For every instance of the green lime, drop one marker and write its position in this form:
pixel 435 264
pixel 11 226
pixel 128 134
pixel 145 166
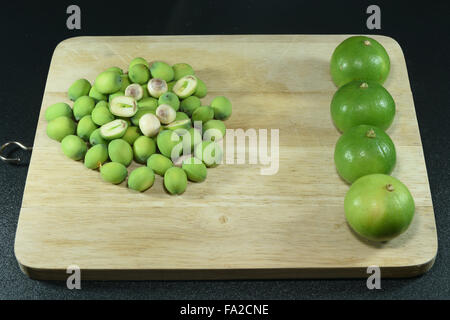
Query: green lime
pixel 359 58
pixel 360 102
pixel 364 150
pixel 379 207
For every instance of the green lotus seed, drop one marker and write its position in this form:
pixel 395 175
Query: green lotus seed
pixel 167 142
pixel 139 73
pixel 148 102
pixel 159 164
pixel 114 129
pixel 203 114
pixel 58 110
pixel 97 96
pixel 141 179
pixel 201 91
pixel 138 60
pixel 222 108
pixel 108 82
pixel 165 113
pixel 175 180
pixel 59 128
pixel 101 114
pixel 123 106
pixel 189 105
pixel 115 95
pixel 149 125
pixel 191 138
pixel 131 135
pixel 145 93
pixel 170 99
pixel 143 148
pixel 96 138
pixel 156 87
pixel 78 89
pixel 83 106
pixel 113 172
pixel 170 85
pixel 140 112
pixel 120 151
pixel 182 69
pixel 185 87
pixel 74 147
pixel 162 70
pixel 209 152
pixel 214 130
pixel 181 116
pixel 96 156
pixel 195 169
pixel 125 82
pixel 116 70
pixel 85 128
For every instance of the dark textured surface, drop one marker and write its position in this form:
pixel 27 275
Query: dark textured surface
pixel 31 31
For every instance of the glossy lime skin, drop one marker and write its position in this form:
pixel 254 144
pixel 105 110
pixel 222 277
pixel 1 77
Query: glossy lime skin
pixel 97 96
pixel 85 128
pixel 159 163
pixel 101 114
pixel 201 91
pixel 57 110
pixel 96 156
pixel 222 108
pixel 379 207
pixel 190 104
pixel 182 69
pixel 143 148
pixel 83 106
pixel 96 138
pixel 364 150
pixel 203 114
pixel 131 135
pixel 162 70
pixel 171 99
pixel 59 128
pixel 139 73
pixel 141 179
pixel 120 151
pixel 175 180
pixel 73 147
pixel 360 102
pixel 195 169
pixel 108 82
pixel 113 172
pixel 79 88
pixel 359 58
pixel 167 140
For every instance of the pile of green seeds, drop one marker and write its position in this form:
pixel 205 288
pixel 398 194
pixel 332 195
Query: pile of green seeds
pixel 152 114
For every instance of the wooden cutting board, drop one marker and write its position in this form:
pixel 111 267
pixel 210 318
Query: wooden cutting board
pixel 238 223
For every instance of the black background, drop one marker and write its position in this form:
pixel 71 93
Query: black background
pixel 31 31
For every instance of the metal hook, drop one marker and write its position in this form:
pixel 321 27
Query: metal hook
pixel 15 160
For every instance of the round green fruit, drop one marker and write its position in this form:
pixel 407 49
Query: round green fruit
pixel 96 156
pixel 195 169
pixel 359 58
pixel 120 151
pixel 85 128
pixel 143 148
pixel 209 152
pixel 379 207
pixel 58 110
pixel 141 179
pixel 203 114
pixel 222 108
pixel 108 82
pixel 190 104
pixel 79 88
pixel 170 99
pixel 139 73
pixel 182 69
pixel 201 91
pixel 73 147
pixel 131 135
pixel 214 130
pixel 364 150
pixel 175 180
pixel 83 106
pixel 159 164
pixel 101 114
pixel 162 70
pixel 360 102
pixel 167 141
pixel 59 128
pixel 96 138
pixel 113 172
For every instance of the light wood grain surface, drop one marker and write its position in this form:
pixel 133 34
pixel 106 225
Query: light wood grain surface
pixel 238 223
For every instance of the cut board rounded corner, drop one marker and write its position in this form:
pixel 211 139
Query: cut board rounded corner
pixel 248 230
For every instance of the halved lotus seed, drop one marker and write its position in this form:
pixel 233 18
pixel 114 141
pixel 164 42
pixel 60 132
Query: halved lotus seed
pixel 175 180
pixel 157 87
pixel 166 114
pixel 195 169
pixel 171 99
pixel 143 148
pixel 83 106
pixel 108 82
pixel 114 129
pixel 209 152
pixel 159 164
pixel 78 89
pixel 96 156
pixel 222 108
pixel 134 90
pixel 57 110
pixel 120 151
pixel 141 179
pixel 123 106
pixel 162 71
pixel 73 147
pixel 59 128
pixel 85 127
pixel 185 87
pixel 101 114
pixel 139 73
pixel 113 172
pixel 149 125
